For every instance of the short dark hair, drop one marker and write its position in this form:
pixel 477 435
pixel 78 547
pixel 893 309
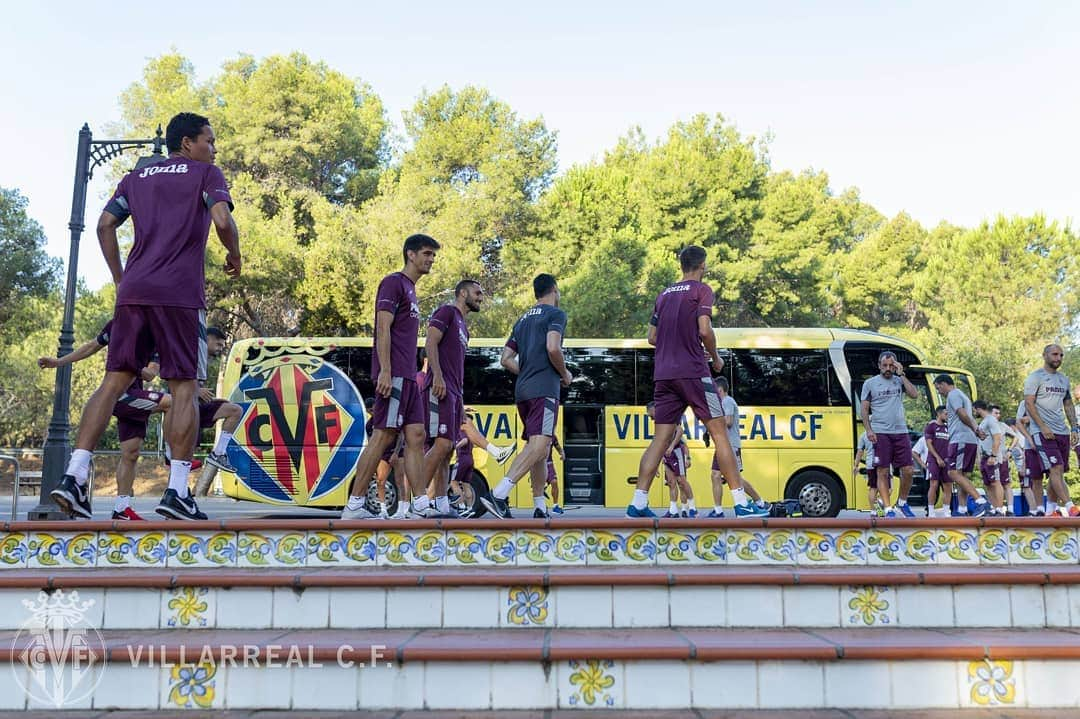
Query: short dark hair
pixel 215 332
pixel 939 408
pixel 722 383
pixel 691 258
pixel 460 286
pixel 886 353
pixel 980 404
pixel 944 379
pixel 185 124
pixel 995 406
pixel 415 243
pixel 543 284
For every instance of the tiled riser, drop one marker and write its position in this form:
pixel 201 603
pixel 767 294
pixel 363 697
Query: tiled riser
pixel 527 548
pixel 579 684
pixel 620 607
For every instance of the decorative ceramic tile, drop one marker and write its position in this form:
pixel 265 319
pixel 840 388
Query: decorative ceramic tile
pixel 192 686
pixel 901 546
pixel 14 550
pixel 204 549
pixel 590 683
pixel 867 606
pixel 993 546
pixel 776 546
pixel 637 546
pixel 539 547
pixel 331 549
pixel 526 606
pixel 188 607
pixel 990 683
pixel 53 550
pixel 957 546
pixel 691 546
pixel 826 548
pixel 398 548
pixel 1042 546
pixel 132 549
pixel 481 547
pixel 1063 545
pixel 271 549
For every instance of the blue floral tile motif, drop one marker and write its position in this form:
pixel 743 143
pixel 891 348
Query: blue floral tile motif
pixel 474 548
pixel 49 551
pixel 271 549
pixel 330 549
pixel 957 546
pixel 405 548
pixel 527 607
pixel 697 546
pixel 1042 546
pixel 901 546
pixel 775 546
pixel 828 548
pixel 993 546
pixel 634 547
pixel 14 550
pixel 192 686
pixel 132 549
pixel 205 549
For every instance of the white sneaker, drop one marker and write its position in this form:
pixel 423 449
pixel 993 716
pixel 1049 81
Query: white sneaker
pixel 425 513
pixel 402 514
pixel 360 513
pixel 502 454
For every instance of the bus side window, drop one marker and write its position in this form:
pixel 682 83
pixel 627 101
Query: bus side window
pixel 780 378
pixel 486 382
pixel 601 375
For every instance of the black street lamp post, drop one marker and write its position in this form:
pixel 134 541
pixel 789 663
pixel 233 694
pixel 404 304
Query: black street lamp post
pixel 91 154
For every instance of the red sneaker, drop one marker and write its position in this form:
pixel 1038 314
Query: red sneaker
pixel 128 515
pixel 196 464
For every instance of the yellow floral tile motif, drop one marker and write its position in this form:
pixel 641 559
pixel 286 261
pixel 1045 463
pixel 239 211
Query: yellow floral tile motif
pixel 696 546
pixel 993 546
pixel 1062 546
pixel 637 546
pixel 535 547
pixel 14 550
pixel 192 685
pixel 869 606
pixel 920 546
pixel 767 547
pixel 188 607
pixel 480 547
pixel 255 549
pixel 328 548
pixel 62 550
pixel 851 547
pixel 404 548
pixel 591 681
pixel 884 547
pixel 571 546
pixel 120 549
pixel 527 606
pixel 1042 545
pixel 992 682
pixel 216 549
pixel 957 545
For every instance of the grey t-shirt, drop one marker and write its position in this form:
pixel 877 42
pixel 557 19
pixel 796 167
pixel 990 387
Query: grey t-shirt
pixel 536 377
pixel 886 404
pixel 867 448
pixel 959 433
pixel 731 409
pixel 1050 390
pixel 1021 412
pixel 992 426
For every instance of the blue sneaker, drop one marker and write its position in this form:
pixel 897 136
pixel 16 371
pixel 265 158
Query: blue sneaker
pixel 667 515
pixel 713 514
pixel 691 514
pixel 971 505
pixel 750 510
pixel 906 510
pixel 633 512
pixel 891 514
pixel 980 509
pixel 556 509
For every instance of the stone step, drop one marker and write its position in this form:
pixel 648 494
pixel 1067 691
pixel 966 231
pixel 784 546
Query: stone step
pixel 598 542
pixel 613 597
pixel 565 668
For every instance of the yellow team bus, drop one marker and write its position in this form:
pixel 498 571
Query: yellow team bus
pixel 797 389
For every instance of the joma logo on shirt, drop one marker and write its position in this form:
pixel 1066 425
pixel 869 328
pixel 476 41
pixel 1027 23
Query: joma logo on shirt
pixel 162 169
pixel 677 288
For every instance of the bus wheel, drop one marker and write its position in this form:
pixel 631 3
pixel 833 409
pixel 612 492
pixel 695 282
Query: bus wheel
pixel 372 500
pixel 479 486
pixel 819 494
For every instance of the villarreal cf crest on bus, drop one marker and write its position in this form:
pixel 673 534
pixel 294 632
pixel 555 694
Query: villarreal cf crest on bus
pixel 301 433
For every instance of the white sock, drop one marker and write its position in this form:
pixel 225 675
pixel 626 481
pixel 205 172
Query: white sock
pixel 355 503
pixel 421 503
pixel 690 504
pixel 718 509
pixel 901 503
pixel 503 488
pixel 442 504
pixel 980 500
pixel 79 465
pixel 178 477
pixel 492 450
pixel 123 501
pixel 682 508
pixel 641 499
pixel 540 503
pixel 674 507
pixel 222 443
pixel 1051 506
pixel 402 507
pixel 738 496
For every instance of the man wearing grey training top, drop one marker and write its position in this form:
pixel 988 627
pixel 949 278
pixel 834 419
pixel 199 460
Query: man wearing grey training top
pixel 964 435
pixel 1049 401
pixel 886 428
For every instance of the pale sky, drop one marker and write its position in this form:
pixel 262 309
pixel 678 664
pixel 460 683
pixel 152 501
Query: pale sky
pixel 949 111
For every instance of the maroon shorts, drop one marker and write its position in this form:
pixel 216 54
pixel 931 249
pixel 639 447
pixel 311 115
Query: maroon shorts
pixel 552 478
pixel 1053 452
pixel 403 407
pixel 673 396
pixel 738 462
pixel 207 410
pixel 678 462
pixel 445 416
pixel 893 450
pixel 1033 468
pixel 139 330
pixel 132 412
pixel 994 473
pixel 936 472
pixel 961 457
pixel 464 468
pixel 539 416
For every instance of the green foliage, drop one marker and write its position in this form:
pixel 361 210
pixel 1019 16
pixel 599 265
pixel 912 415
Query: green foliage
pixel 26 269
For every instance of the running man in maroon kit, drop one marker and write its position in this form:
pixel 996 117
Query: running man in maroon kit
pixel 447 341
pixel 936 434
pixel 160 298
pixel 399 406
pixel 681 329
